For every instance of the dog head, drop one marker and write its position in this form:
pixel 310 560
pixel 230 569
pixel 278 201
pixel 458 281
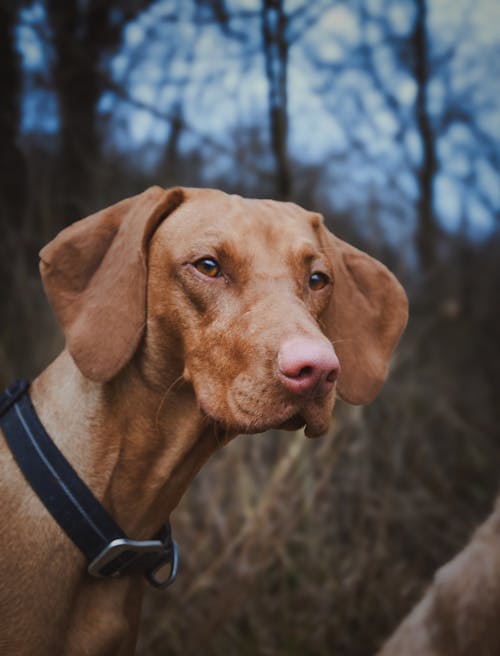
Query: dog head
pixel 254 303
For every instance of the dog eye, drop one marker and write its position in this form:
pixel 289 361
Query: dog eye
pixel 318 280
pixel 208 267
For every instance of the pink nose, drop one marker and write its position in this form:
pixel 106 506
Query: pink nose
pixel 308 367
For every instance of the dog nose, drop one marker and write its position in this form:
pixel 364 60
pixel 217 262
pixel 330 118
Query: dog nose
pixel 308 367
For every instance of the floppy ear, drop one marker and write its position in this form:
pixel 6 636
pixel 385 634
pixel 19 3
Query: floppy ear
pixel 94 274
pixel 366 316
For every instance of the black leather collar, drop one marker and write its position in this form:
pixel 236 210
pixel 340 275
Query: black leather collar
pixel 109 551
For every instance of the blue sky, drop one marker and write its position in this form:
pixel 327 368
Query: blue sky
pixel 340 118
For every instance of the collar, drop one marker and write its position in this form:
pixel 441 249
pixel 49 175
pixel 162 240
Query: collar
pixel 110 553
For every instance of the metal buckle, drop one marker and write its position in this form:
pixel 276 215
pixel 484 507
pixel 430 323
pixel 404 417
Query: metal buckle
pixel 163 574
pixel 116 547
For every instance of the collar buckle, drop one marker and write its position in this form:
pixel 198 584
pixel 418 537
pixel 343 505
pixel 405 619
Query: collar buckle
pixel 123 556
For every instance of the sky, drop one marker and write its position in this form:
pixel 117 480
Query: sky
pixel 333 101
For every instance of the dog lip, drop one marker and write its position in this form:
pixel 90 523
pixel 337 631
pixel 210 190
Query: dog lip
pixel 289 417
pixel 291 422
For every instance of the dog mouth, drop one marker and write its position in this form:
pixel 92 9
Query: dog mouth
pixel 243 413
pixel 315 421
pixel 253 426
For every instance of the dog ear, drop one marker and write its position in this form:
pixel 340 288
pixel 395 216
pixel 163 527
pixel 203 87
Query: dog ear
pixel 366 316
pixel 95 274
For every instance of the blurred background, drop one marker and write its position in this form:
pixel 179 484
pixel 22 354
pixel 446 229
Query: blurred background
pixel 384 115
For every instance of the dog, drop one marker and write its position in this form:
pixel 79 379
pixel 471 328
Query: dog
pixel 458 615
pixel 190 316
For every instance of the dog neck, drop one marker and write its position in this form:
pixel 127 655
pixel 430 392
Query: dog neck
pixel 138 456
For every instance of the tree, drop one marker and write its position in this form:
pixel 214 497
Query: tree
pixel 83 35
pixel 426 231
pixel 275 47
pixel 13 181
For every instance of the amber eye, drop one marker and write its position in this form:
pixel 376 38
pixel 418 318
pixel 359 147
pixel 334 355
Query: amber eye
pixel 208 267
pixel 318 280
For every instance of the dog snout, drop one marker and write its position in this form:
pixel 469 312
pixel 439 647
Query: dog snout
pixel 308 367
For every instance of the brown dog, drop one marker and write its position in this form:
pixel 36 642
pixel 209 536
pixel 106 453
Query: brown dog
pixel 459 614
pixel 190 316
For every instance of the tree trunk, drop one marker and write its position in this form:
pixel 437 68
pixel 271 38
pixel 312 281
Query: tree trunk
pixel 274 25
pixel 74 72
pixel 13 180
pixel 427 231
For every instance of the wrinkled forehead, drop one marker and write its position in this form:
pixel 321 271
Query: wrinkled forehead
pixel 256 225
